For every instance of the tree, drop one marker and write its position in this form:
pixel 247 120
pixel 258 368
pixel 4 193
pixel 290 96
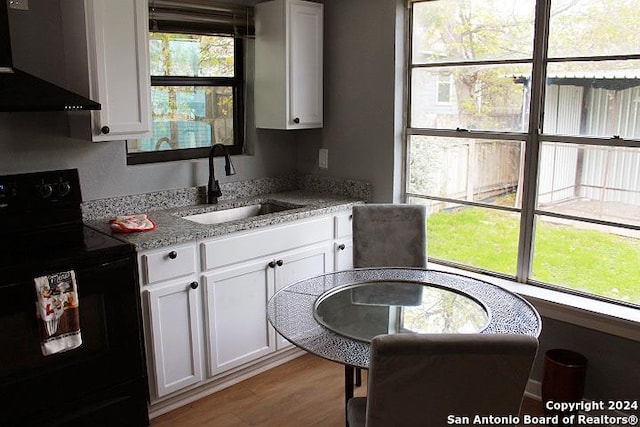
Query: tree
pixel 474 32
pixel 191 55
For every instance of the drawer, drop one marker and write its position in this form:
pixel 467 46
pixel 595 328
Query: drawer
pixel 343 225
pixel 168 263
pixel 262 242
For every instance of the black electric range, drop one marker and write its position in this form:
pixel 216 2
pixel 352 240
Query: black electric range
pixel 102 381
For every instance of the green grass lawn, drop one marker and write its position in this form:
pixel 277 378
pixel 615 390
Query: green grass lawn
pixel 587 260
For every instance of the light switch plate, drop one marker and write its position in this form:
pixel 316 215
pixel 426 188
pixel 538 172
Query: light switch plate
pixel 19 4
pixel 323 158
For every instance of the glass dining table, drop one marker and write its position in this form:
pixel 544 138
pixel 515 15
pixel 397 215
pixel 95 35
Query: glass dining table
pixel 335 315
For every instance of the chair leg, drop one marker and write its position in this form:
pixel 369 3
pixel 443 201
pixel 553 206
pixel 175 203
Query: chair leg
pixel 348 389
pixel 358 377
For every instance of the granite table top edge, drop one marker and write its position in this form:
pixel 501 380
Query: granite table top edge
pixel 172 229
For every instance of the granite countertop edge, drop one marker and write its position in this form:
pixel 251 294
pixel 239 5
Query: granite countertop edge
pixel 172 229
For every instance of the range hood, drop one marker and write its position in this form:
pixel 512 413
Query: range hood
pixel 20 91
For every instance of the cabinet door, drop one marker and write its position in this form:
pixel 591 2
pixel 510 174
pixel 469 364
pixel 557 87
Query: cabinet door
pixel 238 330
pixel 118 54
pixel 298 265
pixel 174 311
pixel 305 33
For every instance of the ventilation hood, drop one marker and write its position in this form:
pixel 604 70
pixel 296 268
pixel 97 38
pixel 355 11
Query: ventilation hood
pixel 20 91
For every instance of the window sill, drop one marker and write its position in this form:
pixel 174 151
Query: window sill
pixel 601 316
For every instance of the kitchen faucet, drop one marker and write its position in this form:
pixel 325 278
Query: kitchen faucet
pixel 213 188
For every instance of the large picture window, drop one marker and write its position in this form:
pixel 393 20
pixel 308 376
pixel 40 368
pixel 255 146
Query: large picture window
pixel 531 171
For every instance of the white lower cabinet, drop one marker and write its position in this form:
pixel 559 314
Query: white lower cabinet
pixel 237 327
pixel 238 290
pixel 208 299
pixel 300 265
pixel 174 311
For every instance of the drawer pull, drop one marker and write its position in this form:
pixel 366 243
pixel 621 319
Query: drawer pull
pixel 193 285
pixel 341 246
pixel 272 264
pixel 173 254
pixel 279 263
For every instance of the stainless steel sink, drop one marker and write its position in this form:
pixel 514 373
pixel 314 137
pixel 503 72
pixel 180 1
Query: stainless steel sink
pixel 234 214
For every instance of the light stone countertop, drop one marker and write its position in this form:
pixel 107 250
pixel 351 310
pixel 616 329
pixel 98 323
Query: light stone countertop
pixel 172 229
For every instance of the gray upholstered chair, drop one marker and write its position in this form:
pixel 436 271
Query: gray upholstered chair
pixel 421 379
pixel 389 235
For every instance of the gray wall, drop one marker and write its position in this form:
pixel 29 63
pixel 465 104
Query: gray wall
pixel 361 128
pixel 363 124
pixel 613 363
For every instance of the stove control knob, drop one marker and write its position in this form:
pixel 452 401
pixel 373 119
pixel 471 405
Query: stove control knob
pixel 64 188
pixel 45 190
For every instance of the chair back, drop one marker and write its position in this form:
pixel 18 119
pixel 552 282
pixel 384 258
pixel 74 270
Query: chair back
pixel 423 379
pixel 389 235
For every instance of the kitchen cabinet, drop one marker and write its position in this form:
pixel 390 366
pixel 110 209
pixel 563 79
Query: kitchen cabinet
pixel 205 302
pixel 173 317
pixel 107 55
pixel 288 65
pixel 238 330
pixel 299 265
pixel 175 338
pixel 238 291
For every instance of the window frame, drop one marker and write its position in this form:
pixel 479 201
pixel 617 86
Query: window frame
pixel 237 83
pixel 533 140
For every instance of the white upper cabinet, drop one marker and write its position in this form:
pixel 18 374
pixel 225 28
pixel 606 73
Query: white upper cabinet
pixel 288 75
pixel 107 53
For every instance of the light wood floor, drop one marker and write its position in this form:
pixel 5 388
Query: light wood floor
pixel 306 392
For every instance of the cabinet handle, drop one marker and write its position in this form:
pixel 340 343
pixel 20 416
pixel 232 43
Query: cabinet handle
pixel 279 263
pixel 173 254
pixel 341 246
pixel 193 285
pixel 296 120
pixel 272 264
pixel 105 130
